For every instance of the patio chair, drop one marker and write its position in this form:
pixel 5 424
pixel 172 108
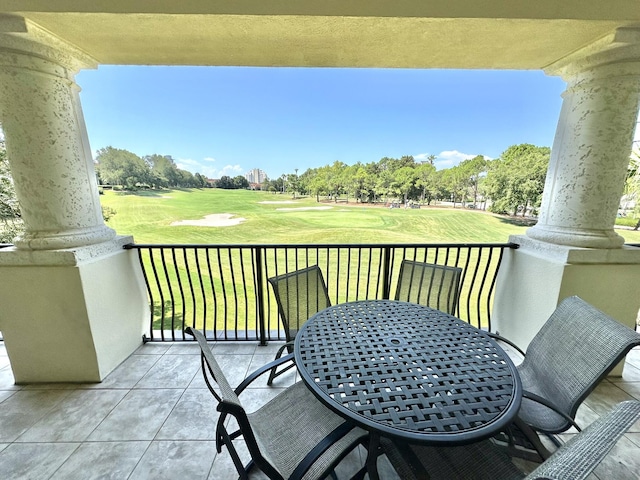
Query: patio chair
pixel 299 295
pixel 293 436
pixel 483 460
pixel 574 350
pixel 435 286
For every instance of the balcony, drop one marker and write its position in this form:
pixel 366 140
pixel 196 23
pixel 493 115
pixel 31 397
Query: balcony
pixel 154 418
pixel 91 299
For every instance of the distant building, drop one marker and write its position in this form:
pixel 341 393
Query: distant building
pixel 255 176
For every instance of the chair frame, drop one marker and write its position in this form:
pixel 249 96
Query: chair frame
pixel 276 283
pixel 573 461
pixel 437 272
pixel 572 304
pixel 229 404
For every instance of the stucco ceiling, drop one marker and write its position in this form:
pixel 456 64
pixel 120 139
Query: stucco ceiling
pixel 403 33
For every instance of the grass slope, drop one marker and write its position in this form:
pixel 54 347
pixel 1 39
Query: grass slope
pixel 148 216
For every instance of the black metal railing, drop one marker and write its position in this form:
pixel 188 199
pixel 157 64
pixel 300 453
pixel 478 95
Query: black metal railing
pixel 222 289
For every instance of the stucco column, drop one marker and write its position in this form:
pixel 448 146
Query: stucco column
pixel 574 250
pixel 592 145
pixel 46 139
pixel 73 301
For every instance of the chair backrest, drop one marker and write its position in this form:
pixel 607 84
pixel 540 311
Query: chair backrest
pixel 575 349
pixel 227 394
pixel 299 294
pixel 229 403
pixel 435 286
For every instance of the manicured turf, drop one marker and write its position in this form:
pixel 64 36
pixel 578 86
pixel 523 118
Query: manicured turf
pixel 148 216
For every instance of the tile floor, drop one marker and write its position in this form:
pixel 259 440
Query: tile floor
pixel 153 418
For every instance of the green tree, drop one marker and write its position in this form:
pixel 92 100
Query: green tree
pixel 225 182
pixel 10 222
pixel 335 179
pixel 405 180
pixel 473 169
pixel 121 167
pixel 455 182
pixel 240 182
pixel 164 172
pixel 515 181
pixel 426 181
pixel 632 185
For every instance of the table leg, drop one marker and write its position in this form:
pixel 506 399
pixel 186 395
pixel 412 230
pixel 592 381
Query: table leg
pixel 372 456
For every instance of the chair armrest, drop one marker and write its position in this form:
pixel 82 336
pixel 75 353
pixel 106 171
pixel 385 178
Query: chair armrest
pixel 316 452
pixel 261 371
pixel 507 341
pixel 549 404
pixel 581 455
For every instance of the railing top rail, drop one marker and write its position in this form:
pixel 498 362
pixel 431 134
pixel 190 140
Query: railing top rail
pixel 129 246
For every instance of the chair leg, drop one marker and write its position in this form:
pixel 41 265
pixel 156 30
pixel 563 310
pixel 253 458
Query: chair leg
pixel 274 373
pixel 531 436
pixel 240 468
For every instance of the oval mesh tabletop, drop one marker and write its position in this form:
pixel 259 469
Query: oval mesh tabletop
pixel 408 371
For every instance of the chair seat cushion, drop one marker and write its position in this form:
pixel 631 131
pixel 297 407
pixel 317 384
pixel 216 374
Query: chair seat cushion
pixel 290 425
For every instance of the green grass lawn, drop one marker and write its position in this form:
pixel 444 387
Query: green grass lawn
pixel 148 215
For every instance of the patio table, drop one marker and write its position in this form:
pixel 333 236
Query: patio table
pixel 408 372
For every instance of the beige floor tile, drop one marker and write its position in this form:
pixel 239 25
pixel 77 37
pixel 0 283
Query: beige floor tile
pixel 34 461
pixel 171 371
pixel 139 416
pixel 7 382
pixel 238 348
pixel 170 460
pixel 75 418
pixel 25 408
pixel 193 418
pixel 102 461
pixel 129 372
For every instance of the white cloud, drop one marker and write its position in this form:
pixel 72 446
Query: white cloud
pixel 447 159
pixel 206 168
pixel 231 170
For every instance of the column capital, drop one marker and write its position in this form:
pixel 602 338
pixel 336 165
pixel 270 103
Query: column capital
pixel 615 54
pixel 47 143
pixel 24 44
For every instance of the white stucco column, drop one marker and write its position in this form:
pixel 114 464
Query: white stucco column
pixel 46 139
pixel 73 301
pixel 573 249
pixel 592 146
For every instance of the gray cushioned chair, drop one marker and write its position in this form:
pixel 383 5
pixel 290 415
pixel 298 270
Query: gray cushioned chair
pixel 573 351
pixel 299 295
pixel 483 460
pixel 293 436
pixel 431 285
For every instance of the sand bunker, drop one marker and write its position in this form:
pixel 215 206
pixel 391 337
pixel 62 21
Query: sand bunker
pixel 302 208
pixel 213 220
pixel 277 201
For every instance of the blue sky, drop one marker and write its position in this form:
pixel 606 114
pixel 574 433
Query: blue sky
pixel 225 121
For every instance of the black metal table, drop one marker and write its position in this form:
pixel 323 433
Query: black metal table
pixel 408 372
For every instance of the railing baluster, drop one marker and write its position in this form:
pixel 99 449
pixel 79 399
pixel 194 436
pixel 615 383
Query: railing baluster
pixel 231 307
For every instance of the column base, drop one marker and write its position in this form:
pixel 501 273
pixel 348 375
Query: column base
pixel 71 315
pixel 534 278
pixel 574 237
pixel 66 239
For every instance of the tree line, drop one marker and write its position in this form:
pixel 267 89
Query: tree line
pixel 115 166
pixel 512 184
